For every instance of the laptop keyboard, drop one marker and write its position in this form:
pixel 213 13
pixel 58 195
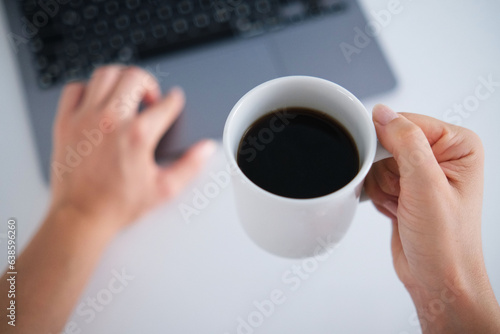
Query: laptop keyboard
pixel 84 34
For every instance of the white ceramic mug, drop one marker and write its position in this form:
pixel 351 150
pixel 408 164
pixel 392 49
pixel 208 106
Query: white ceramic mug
pixel 292 227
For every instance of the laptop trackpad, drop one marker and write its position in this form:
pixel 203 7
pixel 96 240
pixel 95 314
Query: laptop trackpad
pixel 214 80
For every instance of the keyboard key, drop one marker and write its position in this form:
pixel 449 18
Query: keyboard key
pixel 116 41
pixel 142 17
pixel 29 6
pixel 77 63
pixel 201 20
pixel 122 22
pixel 41 62
pixel 112 7
pixel 126 54
pixel 222 15
pixel 138 36
pixel 133 4
pixel 46 80
pixel 71 49
pixel 243 10
pixel 71 18
pixel 101 27
pixel 293 10
pixel 94 46
pixel 97 60
pixel 164 12
pixel 76 3
pixel 205 4
pixel 90 12
pixel 185 7
pixel 72 74
pixel 54 70
pixel 36 45
pixel 180 26
pixel 243 24
pixel 159 31
pixel 234 3
pixel 263 6
pixel 79 33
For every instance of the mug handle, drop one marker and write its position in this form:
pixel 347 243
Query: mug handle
pixel 380 154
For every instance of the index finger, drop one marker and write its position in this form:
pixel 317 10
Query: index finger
pixel 135 86
pixel 442 136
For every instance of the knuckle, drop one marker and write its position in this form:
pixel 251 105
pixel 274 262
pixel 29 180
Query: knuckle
pixel 142 79
pixel 116 109
pixel 138 133
pixel 104 70
pixel 135 72
pixel 99 71
pixel 464 136
pixel 112 111
pixel 410 133
pixel 388 182
pixel 169 185
pixel 473 141
pixel 72 85
pixel 473 138
pixel 168 192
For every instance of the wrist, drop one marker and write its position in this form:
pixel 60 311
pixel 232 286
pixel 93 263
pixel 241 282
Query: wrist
pixel 457 307
pixel 75 220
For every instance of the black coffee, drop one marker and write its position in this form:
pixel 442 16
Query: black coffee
pixel 298 153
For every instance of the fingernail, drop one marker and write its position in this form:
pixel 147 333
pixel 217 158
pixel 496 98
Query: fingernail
pixel 208 148
pixel 392 207
pixel 382 114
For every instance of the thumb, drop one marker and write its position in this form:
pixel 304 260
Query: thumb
pixel 409 145
pixel 175 177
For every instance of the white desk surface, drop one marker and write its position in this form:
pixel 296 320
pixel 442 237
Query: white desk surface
pixel 200 277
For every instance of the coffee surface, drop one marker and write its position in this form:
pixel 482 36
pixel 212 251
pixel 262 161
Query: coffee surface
pixel 298 153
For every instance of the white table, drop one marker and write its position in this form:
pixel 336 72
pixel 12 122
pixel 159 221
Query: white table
pixel 201 277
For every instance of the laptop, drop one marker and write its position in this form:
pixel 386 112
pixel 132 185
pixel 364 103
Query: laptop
pixel 216 50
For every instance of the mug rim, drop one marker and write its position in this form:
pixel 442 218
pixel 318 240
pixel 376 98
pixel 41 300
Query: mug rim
pixel 349 187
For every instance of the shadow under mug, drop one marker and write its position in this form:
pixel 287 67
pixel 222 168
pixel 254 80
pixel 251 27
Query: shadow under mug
pixel 290 227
